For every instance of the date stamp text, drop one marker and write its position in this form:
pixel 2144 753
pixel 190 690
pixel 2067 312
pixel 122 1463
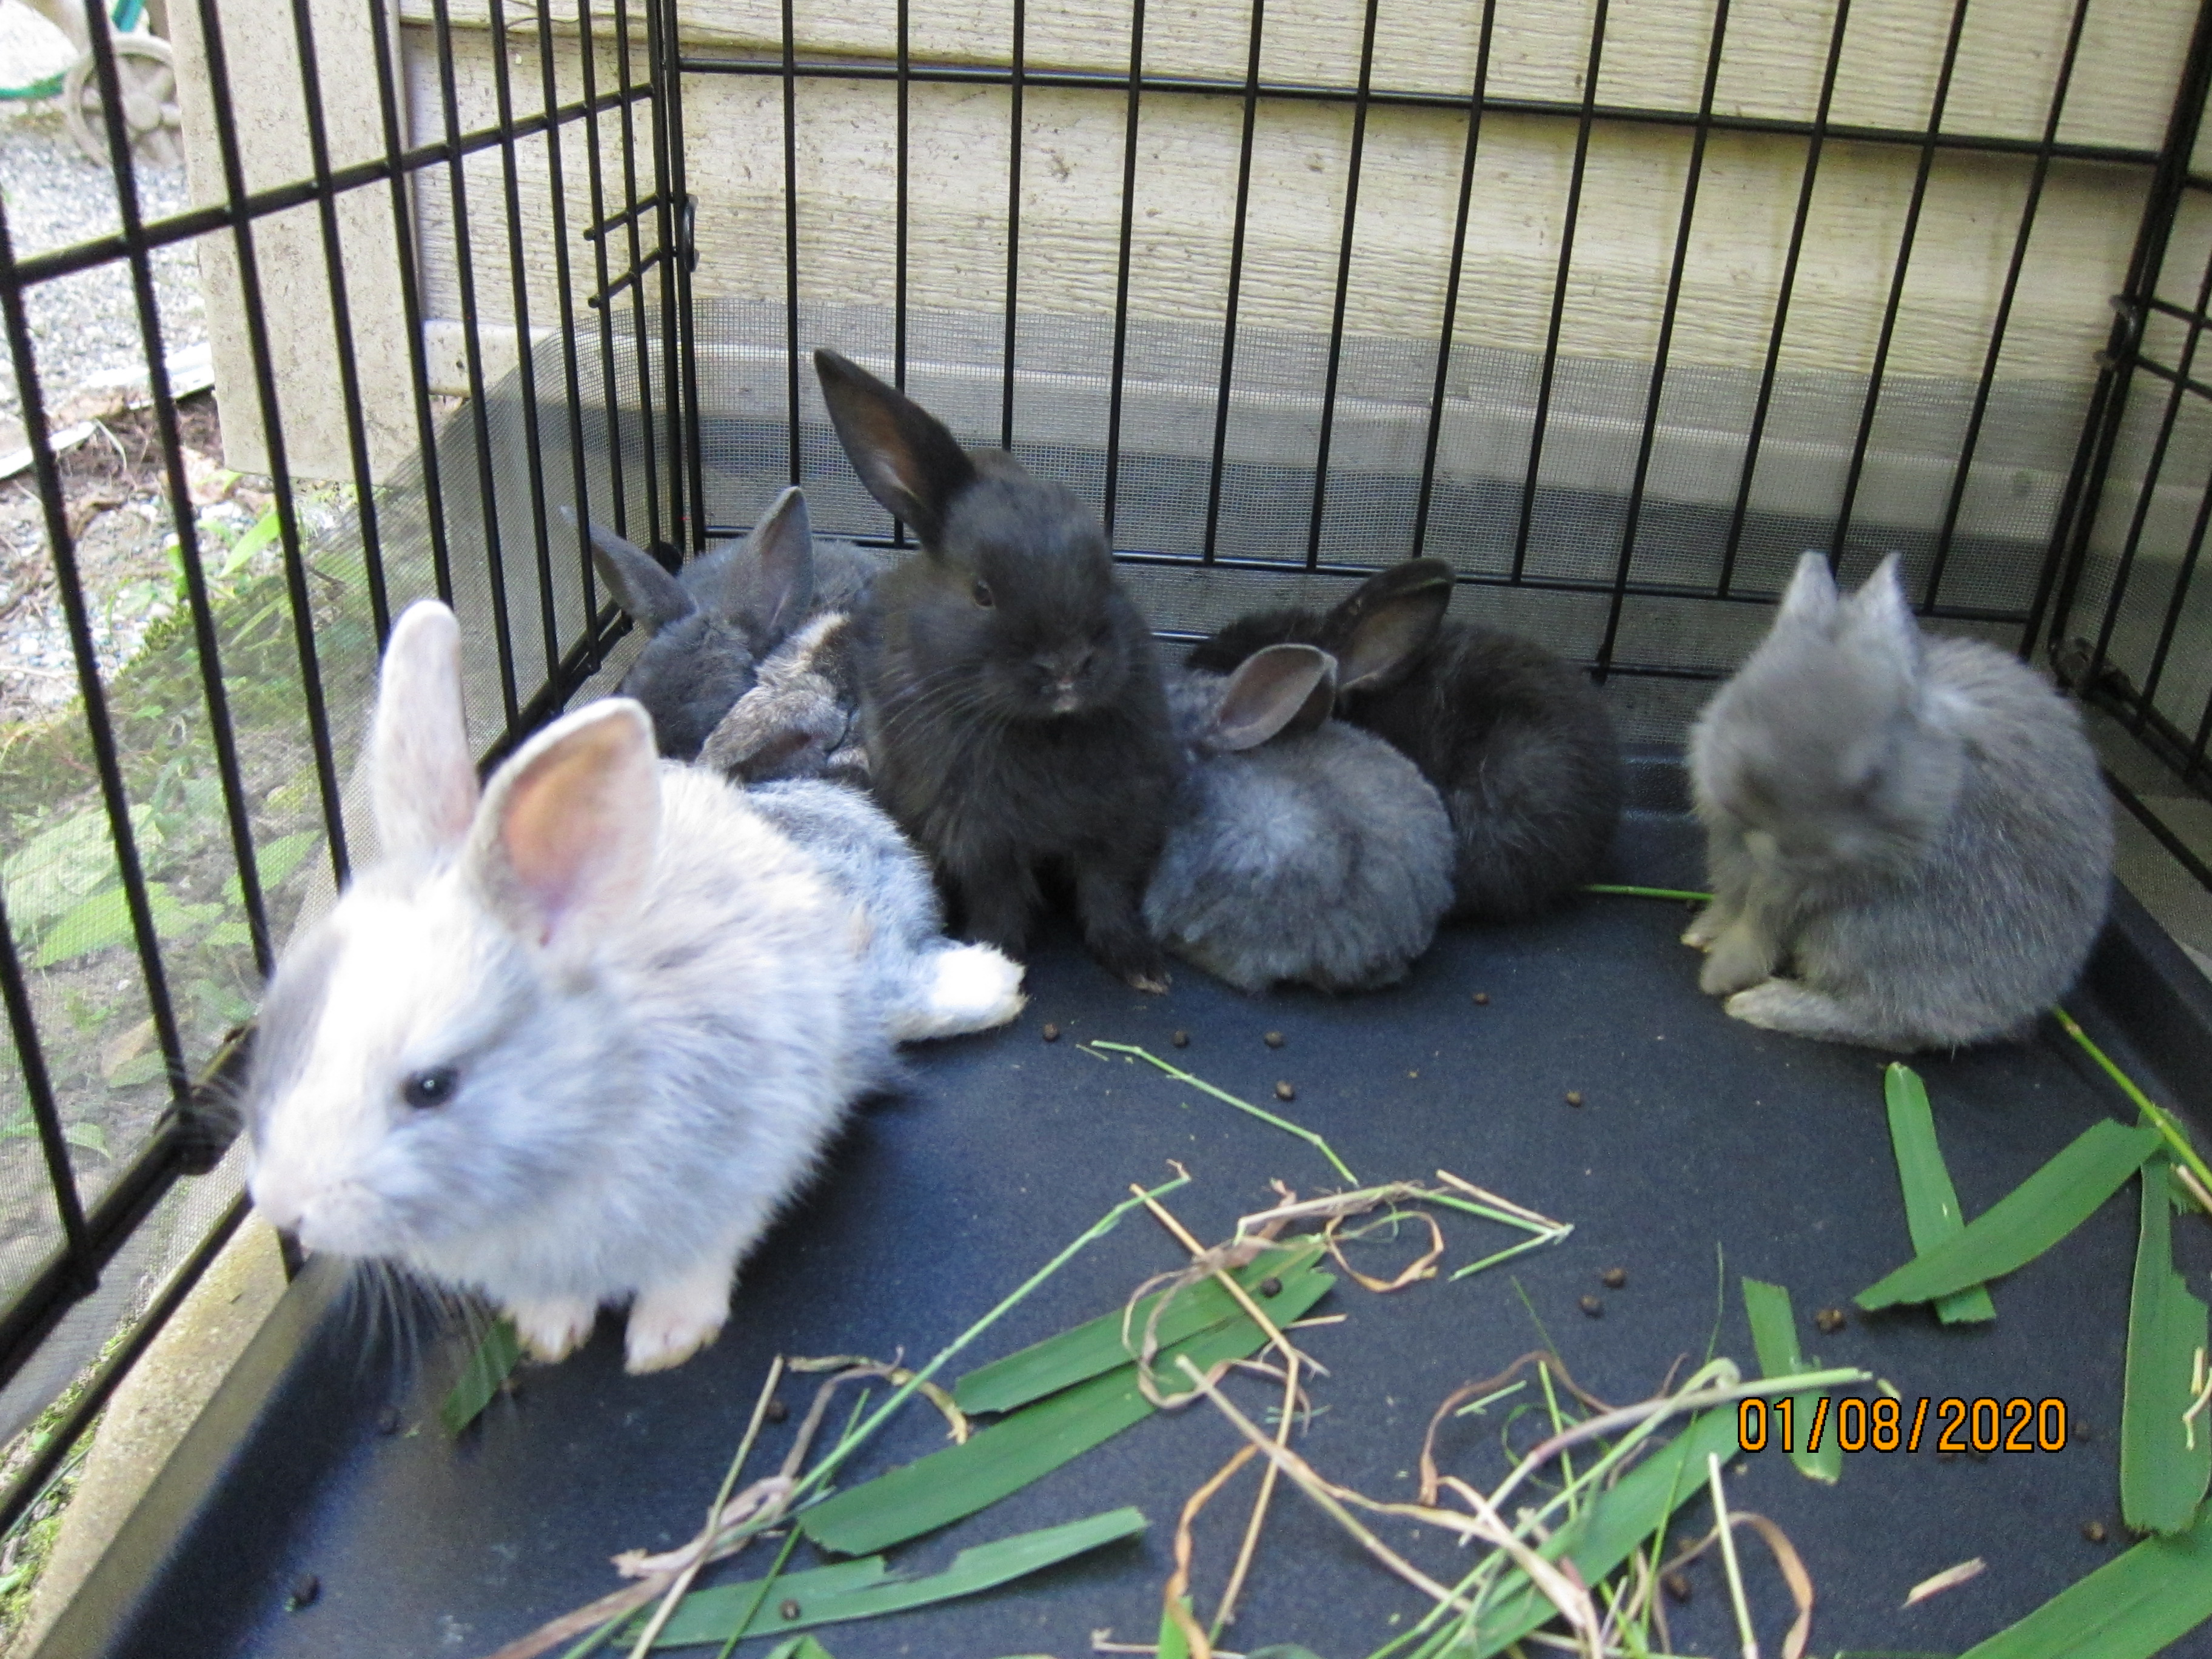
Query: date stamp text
pixel 1982 1423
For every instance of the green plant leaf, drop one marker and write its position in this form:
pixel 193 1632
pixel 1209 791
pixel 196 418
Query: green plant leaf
pixel 59 868
pixel 1599 1539
pixel 2131 1607
pixel 274 862
pixel 1774 1334
pixel 2026 1221
pixel 104 920
pixel 139 1069
pixel 499 1352
pixel 800 1647
pixel 2164 1466
pixel 1089 1350
pixel 1931 1203
pixel 88 1136
pixel 865 1589
pixel 937 1490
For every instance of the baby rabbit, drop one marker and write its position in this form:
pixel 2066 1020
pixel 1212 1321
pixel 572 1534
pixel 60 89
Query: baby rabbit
pixel 1301 849
pixel 576 1039
pixel 1913 830
pixel 714 620
pixel 802 718
pixel 1010 701
pixel 1517 743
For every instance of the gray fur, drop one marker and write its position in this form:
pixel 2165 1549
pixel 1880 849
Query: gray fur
pixel 1320 856
pixel 1909 841
pixel 715 621
pixel 802 719
pixel 859 850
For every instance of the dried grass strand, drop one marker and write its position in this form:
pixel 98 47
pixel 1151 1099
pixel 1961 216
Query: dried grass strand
pixel 1177 1591
pixel 1303 1476
pixel 680 1583
pixel 956 1423
pixel 1467 1391
pixel 1424 1266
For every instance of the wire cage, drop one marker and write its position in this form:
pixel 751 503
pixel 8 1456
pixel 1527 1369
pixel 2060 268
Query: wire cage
pixel 1617 305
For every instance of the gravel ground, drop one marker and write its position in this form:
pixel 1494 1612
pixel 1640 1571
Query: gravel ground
pixel 82 327
pixel 85 324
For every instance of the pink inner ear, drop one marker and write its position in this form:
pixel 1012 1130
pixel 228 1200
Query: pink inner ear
pixel 576 827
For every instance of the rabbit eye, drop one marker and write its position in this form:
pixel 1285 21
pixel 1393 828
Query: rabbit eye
pixel 982 594
pixel 430 1088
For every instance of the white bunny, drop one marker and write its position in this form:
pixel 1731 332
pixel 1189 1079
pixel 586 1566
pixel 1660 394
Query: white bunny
pixel 576 1041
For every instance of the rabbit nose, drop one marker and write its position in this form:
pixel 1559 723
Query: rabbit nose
pixel 1064 668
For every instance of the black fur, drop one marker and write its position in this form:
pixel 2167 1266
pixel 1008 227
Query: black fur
pixel 1517 743
pixel 1015 722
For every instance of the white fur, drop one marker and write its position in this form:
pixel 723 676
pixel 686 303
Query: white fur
pixel 657 1005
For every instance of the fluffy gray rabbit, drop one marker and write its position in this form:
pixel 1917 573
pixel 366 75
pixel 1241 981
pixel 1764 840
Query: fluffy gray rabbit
pixel 1298 847
pixel 802 718
pixel 1909 841
pixel 576 1040
pixel 1517 742
pixel 714 621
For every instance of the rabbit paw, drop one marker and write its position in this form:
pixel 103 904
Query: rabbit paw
pixel 1784 1005
pixel 1712 921
pixel 670 1322
pixel 1738 960
pixel 969 988
pixel 552 1330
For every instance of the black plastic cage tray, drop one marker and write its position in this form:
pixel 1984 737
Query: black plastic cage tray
pixel 1703 1150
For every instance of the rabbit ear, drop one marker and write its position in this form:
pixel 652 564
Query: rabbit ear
pixel 1880 616
pixel 1384 625
pixel 902 452
pixel 781 548
pixel 1811 597
pixel 641 584
pixel 563 845
pixel 421 779
pixel 1284 689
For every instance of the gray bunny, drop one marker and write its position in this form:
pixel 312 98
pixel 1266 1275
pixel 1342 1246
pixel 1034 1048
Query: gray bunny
pixel 802 718
pixel 1909 843
pixel 1298 847
pixel 714 621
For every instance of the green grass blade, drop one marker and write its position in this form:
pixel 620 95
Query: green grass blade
pixel 2026 1221
pixel 2129 1608
pixel 866 1590
pixel 1931 1203
pixel 1311 1138
pixel 2164 1468
pixel 937 1490
pixel 1088 1350
pixel 499 1352
pixel 801 1647
pixel 1774 1334
pixel 1599 1539
pixel 1173 1644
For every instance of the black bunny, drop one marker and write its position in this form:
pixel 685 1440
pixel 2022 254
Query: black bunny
pixel 1010 697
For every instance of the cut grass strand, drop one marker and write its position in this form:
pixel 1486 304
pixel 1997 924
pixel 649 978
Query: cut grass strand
pixel 1774 1334
pixel 1932 1215
pixel 1314 1140
pixel 495 1356
pixel 1681 894
pixel 1736 1598
pixel 2165 1464
pixel 2026 1221
pixel 681 1584
pixel 2176 1136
